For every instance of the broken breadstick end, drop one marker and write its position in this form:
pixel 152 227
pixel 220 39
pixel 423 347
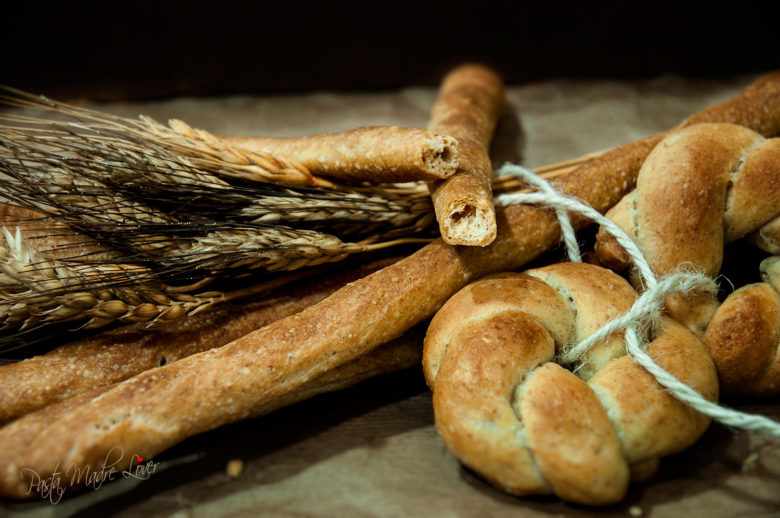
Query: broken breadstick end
pixel 468 224
pixel 469 103
pixel 440 156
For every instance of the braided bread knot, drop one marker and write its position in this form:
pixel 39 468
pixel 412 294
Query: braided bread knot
pixel 529 426
pixel 744 336
pixel 700 188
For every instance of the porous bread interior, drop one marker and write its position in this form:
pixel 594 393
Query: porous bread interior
pixel 440 156
pixel 469 225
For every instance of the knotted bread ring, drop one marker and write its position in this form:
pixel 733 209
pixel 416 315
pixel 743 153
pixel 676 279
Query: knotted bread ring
pixel 700 188
pixel 529 426
pixel 744 336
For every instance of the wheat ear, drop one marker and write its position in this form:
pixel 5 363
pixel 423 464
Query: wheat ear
pixel 276 249
pixel 36 291
pixel 206 151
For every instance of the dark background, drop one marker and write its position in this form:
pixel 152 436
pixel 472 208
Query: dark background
pixel 140 49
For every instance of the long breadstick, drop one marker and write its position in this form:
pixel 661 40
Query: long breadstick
pixel 376 153
pixel 157 409
pixel 123 352
pixel 469 104
pixel 401 353
pixel 756 108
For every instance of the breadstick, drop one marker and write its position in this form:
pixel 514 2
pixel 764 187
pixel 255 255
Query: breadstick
pixel 123 352
pixel 469 104
pixel 402 353
pixel 375 153
pixel 156 409
pixel 756 108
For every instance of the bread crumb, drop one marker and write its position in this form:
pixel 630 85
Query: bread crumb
pixel 234 468
pixel 635 510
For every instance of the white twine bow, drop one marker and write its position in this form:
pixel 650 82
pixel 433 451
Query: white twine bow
pixel 646 309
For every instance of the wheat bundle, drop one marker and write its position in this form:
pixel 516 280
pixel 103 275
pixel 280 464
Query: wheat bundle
pixel 127 220
pixel 169 209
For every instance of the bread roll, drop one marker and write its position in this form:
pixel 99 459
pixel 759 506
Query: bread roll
pixel 744 336
pixel 506 410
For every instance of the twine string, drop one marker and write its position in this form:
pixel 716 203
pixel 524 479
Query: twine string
pixel 567 230
pixel 645 310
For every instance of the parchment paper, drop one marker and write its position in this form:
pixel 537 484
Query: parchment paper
pixel 372 450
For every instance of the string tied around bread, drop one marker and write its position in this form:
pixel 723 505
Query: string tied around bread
pixel 647 308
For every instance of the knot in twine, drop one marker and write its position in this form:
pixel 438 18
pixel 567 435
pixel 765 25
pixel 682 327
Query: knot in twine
pixel 646 309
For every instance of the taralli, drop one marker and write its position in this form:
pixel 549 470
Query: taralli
pixel 722 182
pixel 470 101
pixel 699 189
pixel 529 426
pixel 374 154
pixel 755 108
pixel 744 336
pixel 154 410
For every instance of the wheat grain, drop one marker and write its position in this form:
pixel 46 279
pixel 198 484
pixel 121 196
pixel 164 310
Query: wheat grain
pixel 414 212
pixel 105 174
pixel 272 249
pixel 36 291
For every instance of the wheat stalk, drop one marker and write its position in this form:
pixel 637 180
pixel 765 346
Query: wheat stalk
pixel 64 177
pixel 378 207
pixel 90 162
pixel 36 291
pixel 200 147
pixel 89 178
pixel 92 178
pixel 278 249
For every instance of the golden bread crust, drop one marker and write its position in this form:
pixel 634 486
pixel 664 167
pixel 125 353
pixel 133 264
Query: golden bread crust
pixel 531 427
pixel 377 154
pixel 680 194
pixel 700 188
pixel 744 339
pixel 470 101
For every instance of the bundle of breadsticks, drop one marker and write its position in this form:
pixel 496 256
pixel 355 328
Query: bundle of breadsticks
pixel 358 328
